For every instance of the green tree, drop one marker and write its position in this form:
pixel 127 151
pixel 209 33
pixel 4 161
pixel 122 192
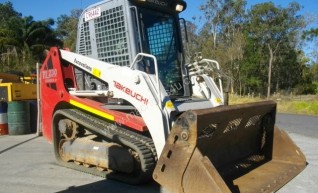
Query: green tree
pixel 67 28
pixel 212 27
pixel 33 38
pixel 7 15
pixel 272 27
pixel 36 36
pixel 252 68
pixel 7 11
pixel 314 71
pixel 23 40
pixel 310 34
pixel 8 42
pixel 222 35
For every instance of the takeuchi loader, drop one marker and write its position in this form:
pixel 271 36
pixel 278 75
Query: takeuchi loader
pixel 126 106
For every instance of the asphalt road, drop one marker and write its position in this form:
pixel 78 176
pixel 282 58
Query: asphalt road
pixel 299 124
pixel 27 165
pixel 304 132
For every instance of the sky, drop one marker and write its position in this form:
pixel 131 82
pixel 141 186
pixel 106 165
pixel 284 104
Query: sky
pixel 41 9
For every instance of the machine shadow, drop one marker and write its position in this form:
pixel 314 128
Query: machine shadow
pixel 111 186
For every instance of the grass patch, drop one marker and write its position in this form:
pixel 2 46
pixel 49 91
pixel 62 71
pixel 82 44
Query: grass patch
pixel 305 106
pixel 298 107
pixel 235 99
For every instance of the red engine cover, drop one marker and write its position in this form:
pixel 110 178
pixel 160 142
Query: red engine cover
pixel 57 75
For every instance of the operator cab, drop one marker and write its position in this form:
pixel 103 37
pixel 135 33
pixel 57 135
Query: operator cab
pixel 116 31
pixel 158 26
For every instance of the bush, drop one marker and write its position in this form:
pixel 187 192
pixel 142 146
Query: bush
pixel 316 87
pixel 303 89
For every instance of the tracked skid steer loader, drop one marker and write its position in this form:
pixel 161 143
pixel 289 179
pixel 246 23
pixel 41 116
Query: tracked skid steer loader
pixel 126 106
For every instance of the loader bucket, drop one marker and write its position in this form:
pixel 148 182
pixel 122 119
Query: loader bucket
pixel 228 149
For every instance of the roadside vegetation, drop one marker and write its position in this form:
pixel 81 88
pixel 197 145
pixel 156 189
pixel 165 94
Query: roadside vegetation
pixel 302 104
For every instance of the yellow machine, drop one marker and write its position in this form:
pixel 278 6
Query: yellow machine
pixel 13 89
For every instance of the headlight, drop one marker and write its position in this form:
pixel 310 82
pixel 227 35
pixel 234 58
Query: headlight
pixel 179 8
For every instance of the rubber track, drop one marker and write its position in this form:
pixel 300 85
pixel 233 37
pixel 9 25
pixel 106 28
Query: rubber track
pixel 143 145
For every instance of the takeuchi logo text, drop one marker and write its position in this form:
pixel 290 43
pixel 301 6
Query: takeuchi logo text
pixel 131 93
